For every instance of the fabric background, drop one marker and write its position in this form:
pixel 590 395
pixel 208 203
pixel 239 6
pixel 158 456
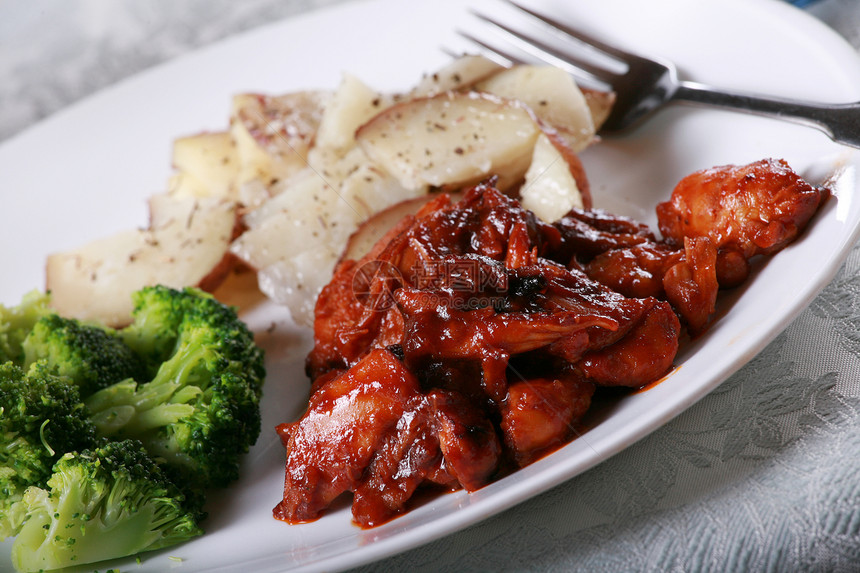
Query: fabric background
pixel 761 475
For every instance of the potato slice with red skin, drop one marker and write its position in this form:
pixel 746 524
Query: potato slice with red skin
pixel 549 189
pixel 273 134
pixel 186 245
pixel 579 189
pixel 600 104
pixel 373 229
pixel 451 139
pixel 553 96
pixel 577 169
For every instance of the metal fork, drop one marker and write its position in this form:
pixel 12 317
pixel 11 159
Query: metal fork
pixel 648 84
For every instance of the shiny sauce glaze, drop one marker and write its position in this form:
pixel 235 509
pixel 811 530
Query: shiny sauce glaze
pixel 471 339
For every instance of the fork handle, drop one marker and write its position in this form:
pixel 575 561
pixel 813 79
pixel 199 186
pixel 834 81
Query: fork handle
pixel 841 122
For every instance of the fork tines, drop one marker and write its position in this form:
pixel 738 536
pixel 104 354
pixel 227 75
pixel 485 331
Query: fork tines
pixel 553 53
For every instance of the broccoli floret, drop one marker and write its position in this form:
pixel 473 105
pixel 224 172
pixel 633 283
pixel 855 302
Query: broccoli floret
pixel 158 313
pixel 201 408
pixel 107 502
pixel 41 418
pixel 92 357
pixel 175 400
pixel 161 312
pixel 17 322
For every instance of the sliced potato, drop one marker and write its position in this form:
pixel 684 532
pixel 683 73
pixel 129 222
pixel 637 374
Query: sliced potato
pixel 254 193
pixel 553 96
pixel 451 139
pixel 320 201
pixel 458 75
pixel 369 189
pixel 207 165
pixel 273 134
pixel 351 105
pixel 600 104
pixel 577 169
pixel 290 197
pixel 549 189
pixel 186 245
pixel 314 211
pixel 307 214
pixel 297 282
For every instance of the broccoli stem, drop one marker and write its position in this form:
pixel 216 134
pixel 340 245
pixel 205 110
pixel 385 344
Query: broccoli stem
pixel 133 409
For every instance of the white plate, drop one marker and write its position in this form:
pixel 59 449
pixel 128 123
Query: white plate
pixel 86 172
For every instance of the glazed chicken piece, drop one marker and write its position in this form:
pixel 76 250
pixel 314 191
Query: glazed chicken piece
pixel 635 271
pixel 443 248
pixel 692 284
pixel 435 332
pixel 568 314
pixel 371 431
pixel 638 351
pixel 585 234
pixel 754 209
pixel 714 223
pixel 348 419
pixel 440 439
pixel 540 414
pixel 643 355
pixel 687 278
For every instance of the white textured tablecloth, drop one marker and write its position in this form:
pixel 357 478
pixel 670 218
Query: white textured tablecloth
pixel 761 475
